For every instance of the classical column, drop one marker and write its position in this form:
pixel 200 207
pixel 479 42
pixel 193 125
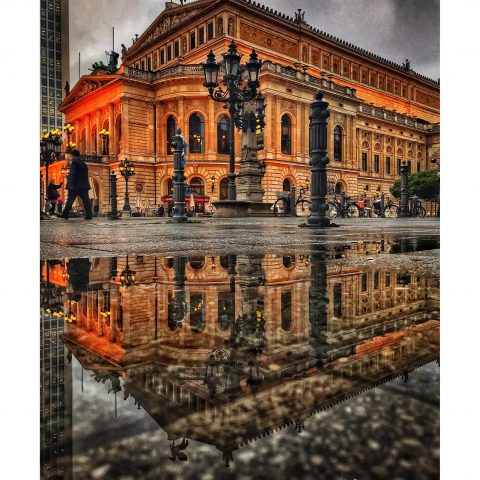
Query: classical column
pixel 88 140
pixel 112 148
pixel 211 131
pixel 150 126
pixel 249 179
pixel 125 130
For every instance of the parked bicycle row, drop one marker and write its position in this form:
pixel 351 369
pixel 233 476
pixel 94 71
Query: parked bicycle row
pixel 343 206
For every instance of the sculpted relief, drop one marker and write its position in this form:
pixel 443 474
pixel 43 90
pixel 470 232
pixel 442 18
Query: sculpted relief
pixel 268 40
pixel 167 24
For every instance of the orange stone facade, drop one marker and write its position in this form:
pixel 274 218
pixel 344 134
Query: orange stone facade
pixel 383 113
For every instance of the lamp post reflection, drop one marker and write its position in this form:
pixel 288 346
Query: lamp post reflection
pixel 318 303
pixel 177 308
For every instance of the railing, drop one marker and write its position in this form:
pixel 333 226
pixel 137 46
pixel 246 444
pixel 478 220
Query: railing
pixel 391 116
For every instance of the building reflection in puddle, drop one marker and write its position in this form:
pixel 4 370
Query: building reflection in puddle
pixel 225 349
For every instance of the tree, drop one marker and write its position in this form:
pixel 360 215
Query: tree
pixel 425 185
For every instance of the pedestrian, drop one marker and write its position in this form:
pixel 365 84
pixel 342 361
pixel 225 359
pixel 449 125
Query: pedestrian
pixel 78 186
pixel 53 195
pixel 161 211
pixel 60 205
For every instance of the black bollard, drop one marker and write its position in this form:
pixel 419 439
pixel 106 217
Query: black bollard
pixel 403 210
pixel 178 178
pixel 113 214
pixel 318 160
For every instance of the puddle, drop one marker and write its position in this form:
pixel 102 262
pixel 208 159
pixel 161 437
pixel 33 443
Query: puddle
pixel 240 366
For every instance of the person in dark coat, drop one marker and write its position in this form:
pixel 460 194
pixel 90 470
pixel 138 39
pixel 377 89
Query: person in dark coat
pixel 78 186
pixel 161 211
pixel 52 195
pixel 78 276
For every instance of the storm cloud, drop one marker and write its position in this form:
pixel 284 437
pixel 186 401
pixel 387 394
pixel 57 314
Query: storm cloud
pixel 394 29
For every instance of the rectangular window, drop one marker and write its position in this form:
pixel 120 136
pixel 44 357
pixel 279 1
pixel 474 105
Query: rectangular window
pixel 387 165
pixel 143 64
pixel 375 280
pixel 177 49
pixel 192 40
pixel 201 36
pixel 364 282
pixel 409 164
pixel 387 279
pixel 169 53
pixel 364 161
pixel 399 164
pixel 210 31
pixel 418 167
pixel 162 57
pixel 149 64
pixel 376 163
pixel 337 300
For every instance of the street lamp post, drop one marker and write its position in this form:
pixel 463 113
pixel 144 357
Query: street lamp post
pixel 178 178
pixel 50 147
pixel 234 96
pixel 318 161
pixel 435 162
pixel 104 134
pixel 403 210
pixel 127 169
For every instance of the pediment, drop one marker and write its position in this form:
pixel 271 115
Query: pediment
pixel 86 85
pixel 166 21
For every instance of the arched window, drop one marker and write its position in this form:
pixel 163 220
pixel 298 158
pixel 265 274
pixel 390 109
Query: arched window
pixel 198 185
pixel 169 186
pixel 171 127
pixel 197 312
pixel 286 185
pixel 224 188
pixel 196 132
pixel 286 135
pixel 223 137
pixel 337 144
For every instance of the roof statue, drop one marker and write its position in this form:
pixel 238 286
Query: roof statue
pixel 110 68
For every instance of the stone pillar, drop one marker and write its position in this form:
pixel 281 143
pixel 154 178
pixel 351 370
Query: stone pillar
pixel 211 131
pixel 88 136
pixel 249 179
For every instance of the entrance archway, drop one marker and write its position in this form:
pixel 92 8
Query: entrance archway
pixel 339 188
pixel 224 188
pixel 94 194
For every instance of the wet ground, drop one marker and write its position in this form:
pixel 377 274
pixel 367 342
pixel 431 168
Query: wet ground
pixel 224 350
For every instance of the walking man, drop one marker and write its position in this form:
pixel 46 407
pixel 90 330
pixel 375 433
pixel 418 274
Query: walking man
pixel 78 186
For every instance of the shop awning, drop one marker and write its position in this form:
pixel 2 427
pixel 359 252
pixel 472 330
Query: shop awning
pixel 198 198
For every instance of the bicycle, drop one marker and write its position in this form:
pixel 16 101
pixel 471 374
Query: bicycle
pixel 415 207
pixel 282 207
pixel 389 208
pixel 345 207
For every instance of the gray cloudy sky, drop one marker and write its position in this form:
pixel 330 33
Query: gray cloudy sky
pixel 394 29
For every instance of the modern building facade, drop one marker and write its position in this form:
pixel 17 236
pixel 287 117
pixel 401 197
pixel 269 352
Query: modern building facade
pixel 382 114
pixel 54 61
